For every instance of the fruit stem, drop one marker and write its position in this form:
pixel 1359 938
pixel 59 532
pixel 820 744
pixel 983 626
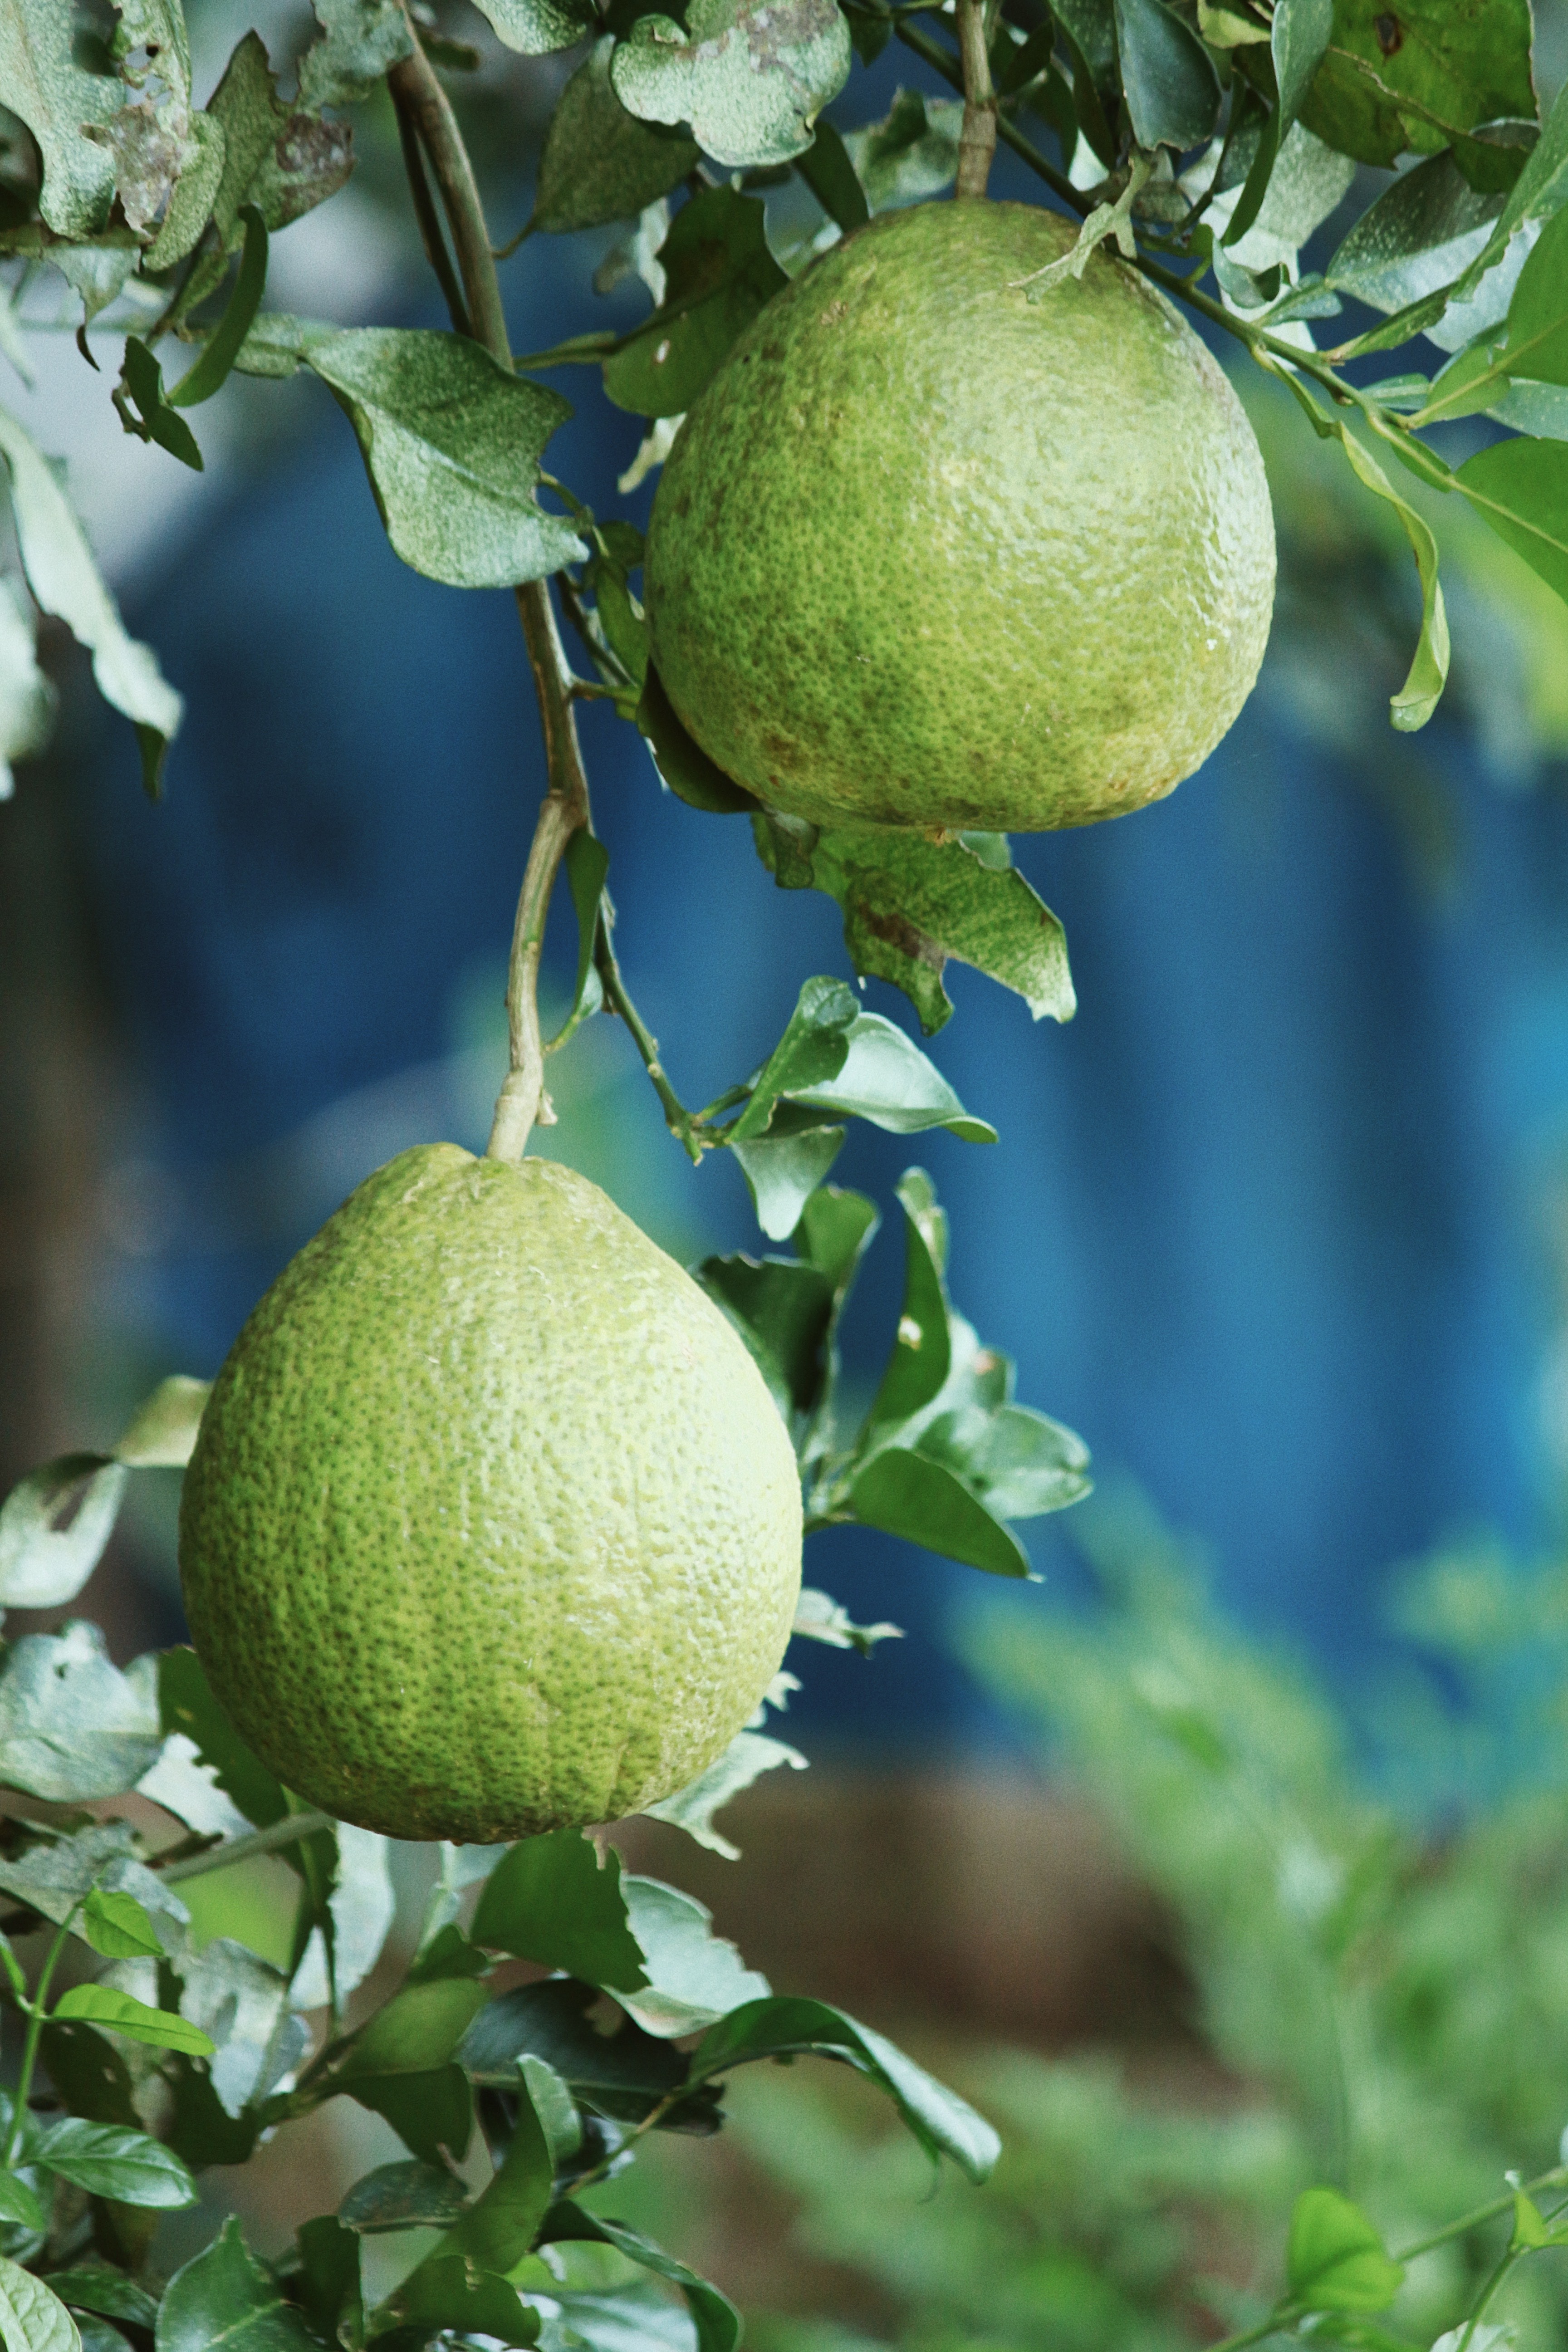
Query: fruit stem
pixel 977 138
pixel 430 128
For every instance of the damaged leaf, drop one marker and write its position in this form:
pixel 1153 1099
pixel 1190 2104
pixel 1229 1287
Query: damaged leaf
pixel 749 76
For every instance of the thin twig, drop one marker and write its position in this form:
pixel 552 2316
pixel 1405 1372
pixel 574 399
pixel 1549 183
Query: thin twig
pixel 977 138
pixel 291 1830
pixel 424 213
pixel 681 1123
pixel 417 91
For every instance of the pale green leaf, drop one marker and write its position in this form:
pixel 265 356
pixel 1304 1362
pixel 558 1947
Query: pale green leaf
pixel 32 2316
pixel 57 99
pixel 749 1755
pixel 694 1976
pixel 28 698
pixel 601 163
pixel 43 1565
pixel 748 77
pixel 534 27
pixel 361 39
pixel 912 154
pixel 72 1726
pixel 162 1431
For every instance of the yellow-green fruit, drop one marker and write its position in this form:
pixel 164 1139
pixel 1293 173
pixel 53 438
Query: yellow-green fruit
pixel 491 1524
pixel 930 552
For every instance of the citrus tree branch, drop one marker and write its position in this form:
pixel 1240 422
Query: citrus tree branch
pixel 682 1124
pixel 422 105
pixel 977 138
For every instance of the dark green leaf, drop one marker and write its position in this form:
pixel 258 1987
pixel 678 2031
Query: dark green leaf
pixel 72 1726
pixel 588 863
pixel 223 2296
pixel 160 2029
pixel 1019 1463
pixel 912 154
pixel 454 2294
pixel 682 764
pixel 452 443
pixel 94 2286
pixel 717 2320
pixel 835 1228
pixel 1336 2261
pixel 782 1171
pixel 496 2232
pixel 432 2113
pixel 143 379
pixel 535 27
pixel 1521 487
pixel 1535 344
pixel 718 274
pixel 813 1049
pixel 1091 25
pixel 782 1309
pixel 186 1705
pixel 621 2074
pixel 66 583
pixel 211 371
pixel 905 1493
pixel 124 2165
pixel 406 2196
pixel 1170 86
pixel 749 77
pixel 32 2317
pixel 923 1351
pixel 328 2284
pixel 117 1925
pixel 1414 74
pixel 43 1564
pixel 548 1900
pixel 360 40
pixel 827 172
pixel 202 2130
pixel 282 161
pixel 910 904
pixel 942 2123
pixel 600 163
pixel 1299 37
pixel 89 2075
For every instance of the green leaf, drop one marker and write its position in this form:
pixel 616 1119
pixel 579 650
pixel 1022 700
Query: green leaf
pixel 162 1431
pixel 452 443
pixel 782 1171
pixel 43 1564
pixel 835 1228
pixel 911 904
pixel 782 1311
pixel 717 2320
pixel 1298 39
pixel 1419 696
pixel 89 2075
pixel 548 1900
pixel 1535 344
pixel 1335 2259
pixel 693 1975
pixel 282 161
pixel 496 2232
pixel 600 163
pixel 942 2123
pixel 192 197
pixel 819 1618
pixel 52 1879
pixel 66 583
pixel 32 2317
pixel 1416 238
pixel 1417 77
pixel 719 273
pixel 223 345
pixel 224 2297
pixel 622 2074
pixel 750 78
pixel 158 2028
pixel 418 2031
pixel 555 2107
pixel 328 2282
pixel 906 1494
pixel 404 2197
pixel 535 27
pixel 94 2286
pixel 117 1925
pixel 142 380
pixel 29 699
pixel 124 2165
pixel 1172 90
pixel 922 1349
pixel 912 154
pixel 432 2113
pixel 813 1049
pixel 20 2204
pixel 456 2295
pixel 749 1755
pixel 57 99
pixel 1020 1463
pixel 186 1706
pixel 587 863
pixel 1521 488
pixel 72 1726
pixel 361 40
pixel 886 1080
pixel 828 173
pixel 684 767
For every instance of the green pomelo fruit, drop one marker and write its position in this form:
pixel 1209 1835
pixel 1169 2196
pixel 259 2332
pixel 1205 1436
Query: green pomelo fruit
pixel 491 1524
pixel 929 552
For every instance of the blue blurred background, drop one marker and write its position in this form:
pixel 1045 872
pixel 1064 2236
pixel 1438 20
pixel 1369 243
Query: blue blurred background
pixel 1277 1223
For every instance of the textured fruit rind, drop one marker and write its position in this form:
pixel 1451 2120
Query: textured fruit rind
pixel 491 1524
pixel 929 552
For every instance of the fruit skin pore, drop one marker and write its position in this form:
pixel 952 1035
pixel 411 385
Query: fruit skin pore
pixel 926 552
pixel 491 1524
